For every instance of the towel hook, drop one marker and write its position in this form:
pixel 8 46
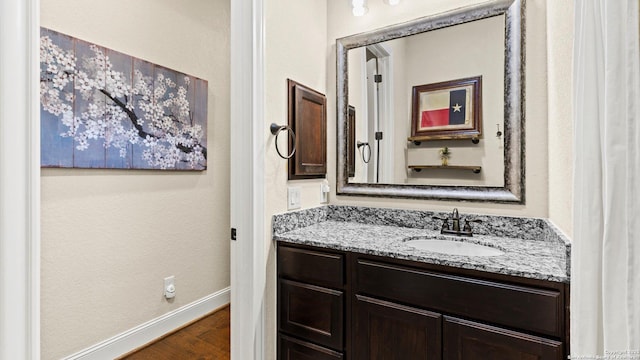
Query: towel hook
pixel 275 130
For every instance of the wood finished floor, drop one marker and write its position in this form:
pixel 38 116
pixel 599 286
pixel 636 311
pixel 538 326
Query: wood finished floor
pixel 207 338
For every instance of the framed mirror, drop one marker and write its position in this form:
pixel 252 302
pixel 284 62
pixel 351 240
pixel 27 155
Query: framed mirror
pixel 420 71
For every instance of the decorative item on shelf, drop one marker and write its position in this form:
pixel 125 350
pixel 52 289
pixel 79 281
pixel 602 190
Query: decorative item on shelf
pixel 444 155
pixel 275 130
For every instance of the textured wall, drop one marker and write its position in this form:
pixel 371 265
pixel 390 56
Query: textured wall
pixel 295 48
pixel 560 59
pixel 109 237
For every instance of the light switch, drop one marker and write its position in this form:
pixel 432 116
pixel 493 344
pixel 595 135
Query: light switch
pixel 293 198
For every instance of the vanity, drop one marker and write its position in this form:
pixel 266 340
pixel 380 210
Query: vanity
pixel 352 286
pixel 374 283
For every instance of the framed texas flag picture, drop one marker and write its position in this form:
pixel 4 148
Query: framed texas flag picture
pixel 447 110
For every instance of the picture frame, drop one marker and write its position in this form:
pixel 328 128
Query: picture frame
pixel 447 110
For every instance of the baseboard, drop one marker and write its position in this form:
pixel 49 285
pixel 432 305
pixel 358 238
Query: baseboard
pixel 147 332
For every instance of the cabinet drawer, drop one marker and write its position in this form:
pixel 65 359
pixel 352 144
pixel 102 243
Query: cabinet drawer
pixel 526 308
pixel 316 267
pixel 294 349
pixel 467 340
pixel 311 312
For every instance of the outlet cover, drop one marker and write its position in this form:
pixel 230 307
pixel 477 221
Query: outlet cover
pixel 170 287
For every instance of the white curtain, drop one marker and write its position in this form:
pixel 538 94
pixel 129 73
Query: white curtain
pixel 605 285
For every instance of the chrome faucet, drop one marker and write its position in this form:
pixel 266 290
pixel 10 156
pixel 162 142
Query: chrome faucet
pixel 454 229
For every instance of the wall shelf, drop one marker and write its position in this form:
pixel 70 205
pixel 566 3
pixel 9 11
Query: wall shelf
pixel 418 168
pixel 417 140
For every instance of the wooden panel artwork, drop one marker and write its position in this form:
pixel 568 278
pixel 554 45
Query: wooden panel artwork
pixel 308 119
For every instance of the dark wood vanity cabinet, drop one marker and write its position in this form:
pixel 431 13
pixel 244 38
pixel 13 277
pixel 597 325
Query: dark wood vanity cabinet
pixel 346 305
pixel 385 330
pixel 311 303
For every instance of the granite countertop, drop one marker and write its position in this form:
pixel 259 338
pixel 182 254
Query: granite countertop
pixel 539 252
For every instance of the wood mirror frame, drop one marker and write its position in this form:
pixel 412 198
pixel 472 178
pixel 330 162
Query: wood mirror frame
pixel 514 112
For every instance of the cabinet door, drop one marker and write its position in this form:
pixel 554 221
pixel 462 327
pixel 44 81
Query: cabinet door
pixel 294 349
pixel 311 312
pixel 388 331
pixel 308 119
pixel 467 340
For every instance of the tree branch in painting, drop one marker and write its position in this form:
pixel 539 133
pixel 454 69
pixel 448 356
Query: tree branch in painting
pixel 153 113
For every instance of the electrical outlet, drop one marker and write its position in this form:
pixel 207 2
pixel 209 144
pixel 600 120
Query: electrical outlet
pixel 293 198
pixel 170 287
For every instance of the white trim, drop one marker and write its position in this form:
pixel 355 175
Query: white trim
pixel 19 180
pixel 151 330
pixel 248 141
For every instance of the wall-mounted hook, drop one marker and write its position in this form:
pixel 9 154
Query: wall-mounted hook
pixel 275 130
pixel 361 144
pixel 499 133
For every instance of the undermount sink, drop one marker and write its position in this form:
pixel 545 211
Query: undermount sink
pixel 453 247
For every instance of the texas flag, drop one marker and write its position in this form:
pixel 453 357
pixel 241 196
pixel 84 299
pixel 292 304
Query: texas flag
pixel 443 108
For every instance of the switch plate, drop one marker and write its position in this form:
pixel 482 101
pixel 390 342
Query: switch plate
pixel 293 198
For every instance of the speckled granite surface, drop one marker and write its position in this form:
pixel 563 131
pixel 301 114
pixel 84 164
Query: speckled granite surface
pixel 533 248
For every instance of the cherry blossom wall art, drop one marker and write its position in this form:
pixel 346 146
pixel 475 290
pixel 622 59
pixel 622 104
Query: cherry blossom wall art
pixel 103 109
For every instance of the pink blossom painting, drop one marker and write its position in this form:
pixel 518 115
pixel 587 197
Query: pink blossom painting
pixel 103 109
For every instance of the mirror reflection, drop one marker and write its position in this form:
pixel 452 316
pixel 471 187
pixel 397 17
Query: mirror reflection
pixel 381 78
pixel 446 99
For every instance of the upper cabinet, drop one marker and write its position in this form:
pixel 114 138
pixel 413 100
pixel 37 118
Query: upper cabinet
pixel 308 119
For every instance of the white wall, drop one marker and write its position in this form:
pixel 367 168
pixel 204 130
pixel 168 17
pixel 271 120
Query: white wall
pixel 295 48
pixel 109 237
pixel 478 50
pixel 560 59
pixel 341 23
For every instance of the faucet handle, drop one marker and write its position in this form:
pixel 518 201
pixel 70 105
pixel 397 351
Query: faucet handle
pixel 467 226
pixel 445 222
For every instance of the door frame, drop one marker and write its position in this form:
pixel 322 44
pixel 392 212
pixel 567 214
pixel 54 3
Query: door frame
pixel 248 251
pixel 19 179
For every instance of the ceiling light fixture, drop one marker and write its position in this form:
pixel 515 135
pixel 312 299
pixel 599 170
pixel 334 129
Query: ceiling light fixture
pixel 392 2
pixel 359 7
